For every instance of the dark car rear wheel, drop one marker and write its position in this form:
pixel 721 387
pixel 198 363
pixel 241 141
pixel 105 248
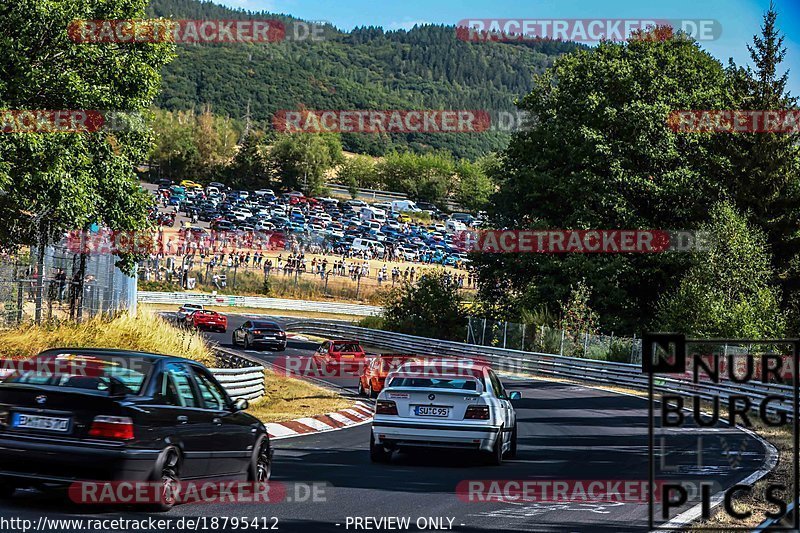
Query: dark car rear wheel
pixel 7 489
pixel 372 393
pixel 261 466
pixel 246 342
pixel 361 391
pixel 167 470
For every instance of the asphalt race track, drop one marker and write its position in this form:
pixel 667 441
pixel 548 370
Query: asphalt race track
pixel 566 432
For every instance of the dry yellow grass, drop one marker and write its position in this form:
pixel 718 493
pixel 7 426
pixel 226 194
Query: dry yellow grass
pixel 288 398
pixel 143 332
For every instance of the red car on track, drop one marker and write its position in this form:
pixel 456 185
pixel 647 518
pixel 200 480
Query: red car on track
pixel 340 354
pixel 209 320
pixel 373 378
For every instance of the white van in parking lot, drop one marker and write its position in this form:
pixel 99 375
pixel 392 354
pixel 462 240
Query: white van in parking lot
pixel 363 245
pixel 373 213
pixel 452 226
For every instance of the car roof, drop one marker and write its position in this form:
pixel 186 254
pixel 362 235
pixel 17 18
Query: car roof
pixel 116 352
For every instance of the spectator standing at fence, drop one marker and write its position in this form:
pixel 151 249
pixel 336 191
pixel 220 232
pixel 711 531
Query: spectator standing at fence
pixel 61 278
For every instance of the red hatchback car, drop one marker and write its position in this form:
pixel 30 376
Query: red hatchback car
pixel 373 378
pixel 209 320
pixel 341 354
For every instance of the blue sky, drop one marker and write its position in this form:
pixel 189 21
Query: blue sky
pixel 740 19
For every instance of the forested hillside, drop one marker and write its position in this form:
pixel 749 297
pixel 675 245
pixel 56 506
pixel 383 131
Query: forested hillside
pixel 368 68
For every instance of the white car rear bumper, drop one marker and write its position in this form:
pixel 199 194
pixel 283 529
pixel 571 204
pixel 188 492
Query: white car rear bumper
pixel 427 433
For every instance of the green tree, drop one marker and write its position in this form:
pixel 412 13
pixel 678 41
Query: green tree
pixel 358 171
pixel 430 307
pixel 475 187
pixel 302 160
pixel 175 152
pixel 766 166
pixel 600 155
pixel 427 177
pixel 73 180
pixel 728 291
pixel 250 166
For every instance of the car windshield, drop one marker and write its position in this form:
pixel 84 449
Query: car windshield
pixel 456 383
pixel 346 347
pixel 89 372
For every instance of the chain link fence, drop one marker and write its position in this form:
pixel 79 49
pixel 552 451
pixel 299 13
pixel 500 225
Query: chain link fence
pixel 544 339
pixel 58 285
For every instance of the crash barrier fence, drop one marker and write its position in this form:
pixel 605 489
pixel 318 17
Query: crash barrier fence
pixel 180 298
pixel 240 377
pixel 541 338
pixel 624 375
pixel 372 194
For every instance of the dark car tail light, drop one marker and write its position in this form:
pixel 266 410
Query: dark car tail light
pixel 112 427
pixel 477 412
pixel 385 407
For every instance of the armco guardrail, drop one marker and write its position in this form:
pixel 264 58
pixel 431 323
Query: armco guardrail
pixel 515 361
pixel 245 383
pixel 180 298
pixel 370 194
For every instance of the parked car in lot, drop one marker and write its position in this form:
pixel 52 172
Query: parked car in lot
pixel 444 403
pixel 260 333
pixel 209 320
pixel 339 354
pixel 373 377
pixel 117 415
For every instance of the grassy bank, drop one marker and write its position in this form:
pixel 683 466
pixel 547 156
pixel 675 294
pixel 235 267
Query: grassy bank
pixel 286 398
pixel 290 398
pixel 144 331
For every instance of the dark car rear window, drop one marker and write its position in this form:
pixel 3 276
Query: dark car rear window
pixel 266 325
pixel 90 372
pixel 457 383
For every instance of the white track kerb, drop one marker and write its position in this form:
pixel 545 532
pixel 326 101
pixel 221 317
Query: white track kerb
pixel 358 414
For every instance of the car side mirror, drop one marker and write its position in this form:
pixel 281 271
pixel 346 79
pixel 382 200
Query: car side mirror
pixel 514 395
pixel 240 404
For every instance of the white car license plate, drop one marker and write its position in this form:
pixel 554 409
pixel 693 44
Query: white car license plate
pixel 428 410
pixel 48 423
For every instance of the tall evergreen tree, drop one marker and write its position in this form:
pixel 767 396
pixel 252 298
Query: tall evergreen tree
pixel 766 166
